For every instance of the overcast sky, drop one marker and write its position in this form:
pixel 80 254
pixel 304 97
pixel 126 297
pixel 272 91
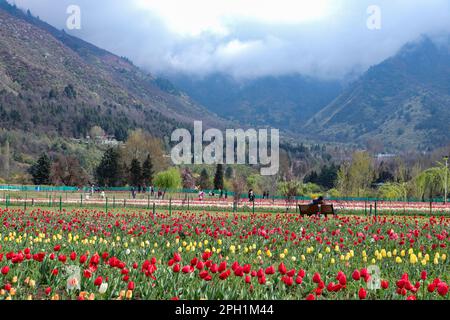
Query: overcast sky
pixel 249 38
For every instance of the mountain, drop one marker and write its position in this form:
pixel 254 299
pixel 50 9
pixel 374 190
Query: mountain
pixel 55 83
pixel 404 102
pixel 282 102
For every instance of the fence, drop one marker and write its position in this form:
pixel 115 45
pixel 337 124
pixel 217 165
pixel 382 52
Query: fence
pixel 113 201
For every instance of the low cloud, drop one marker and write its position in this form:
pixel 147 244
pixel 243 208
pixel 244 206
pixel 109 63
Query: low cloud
pixel 330 40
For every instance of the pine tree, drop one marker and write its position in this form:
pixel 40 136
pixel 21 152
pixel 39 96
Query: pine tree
pixel 147 171
pixel 107 172
pixel 40 171
pixel 229 173
pixel 135 173
pixel 6 160
pixel 218 178
pixel 204 180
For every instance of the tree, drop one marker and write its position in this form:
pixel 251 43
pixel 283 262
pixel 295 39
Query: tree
pixel 218 178
pixel 239 185
pixel 394 191
pixel 107 172
pixel 139 145
pixel 147 171
pixel 6 160
pixel 355 178
pixel 96 132
pixel 135 173
pixel 188 179
pixel 170 179
pixel 204 182
pixel 40 171
pixel 68 172
pixel 290 189
pixel 229 172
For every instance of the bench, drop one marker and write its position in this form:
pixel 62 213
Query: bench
pixel 314 209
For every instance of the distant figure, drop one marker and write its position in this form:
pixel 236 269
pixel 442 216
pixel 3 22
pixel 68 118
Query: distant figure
pixel 133 193
pixel 103 195
pixel 318 201
pixel 251 195
pixel 152 191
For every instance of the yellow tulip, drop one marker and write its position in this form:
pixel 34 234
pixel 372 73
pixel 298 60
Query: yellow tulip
pixel 129 294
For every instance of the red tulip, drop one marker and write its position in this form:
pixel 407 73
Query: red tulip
pixel 222 266
pixel 356 275
pixel 288 281
pixel 411 298
pixel 423 275
pixel 176 268
pixel 135 265
pixel 384 284
pixel 442 289
pixel 55 272
pixel 270 270
pixel 131 285
pixel 362 294
pixel 5 270
pixel 248 279
pixel 431 287
pixel 177 257
pixel 62 258
pixel 200 265
pixel 302 273
pixel 48 291
pixel 57 248
pixel 239 272
pixel 73 256
pixel 299 280
pixel 260 273
pixel 87 274
pixel 310 297
pixel 291 273
pixel 8 287
pixel 98 282
pixel 187 269
pixel 316 277
pixel 224 275
pixel 83 259
pixel 262 280
pixel 282 268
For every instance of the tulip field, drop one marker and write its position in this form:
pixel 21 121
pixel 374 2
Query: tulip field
pixel 87 254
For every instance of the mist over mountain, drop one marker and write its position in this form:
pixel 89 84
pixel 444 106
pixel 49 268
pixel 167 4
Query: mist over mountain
pixel 282 102
pixel 404 102
pixel 58 84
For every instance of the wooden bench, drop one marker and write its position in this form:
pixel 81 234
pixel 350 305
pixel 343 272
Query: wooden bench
pixel 314 209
